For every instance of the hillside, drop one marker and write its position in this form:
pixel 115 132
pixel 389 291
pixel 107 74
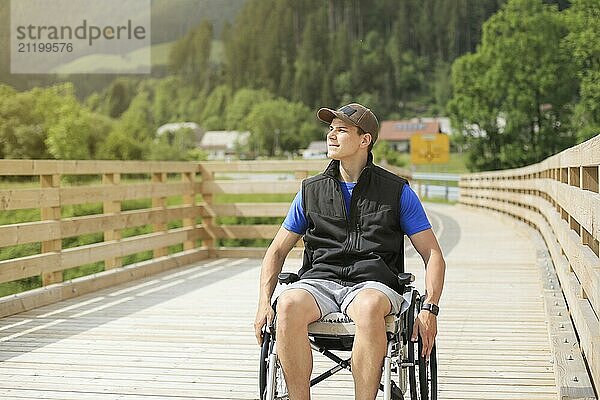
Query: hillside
pixel 171 19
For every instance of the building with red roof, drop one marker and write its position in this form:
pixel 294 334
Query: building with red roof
pixel 398 133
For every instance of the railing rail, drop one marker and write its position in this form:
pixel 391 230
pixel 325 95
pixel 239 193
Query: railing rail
pixel 558 196
pixel 62 184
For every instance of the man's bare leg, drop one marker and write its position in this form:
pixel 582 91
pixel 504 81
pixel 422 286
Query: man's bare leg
pixel 296 308
pixel 368 311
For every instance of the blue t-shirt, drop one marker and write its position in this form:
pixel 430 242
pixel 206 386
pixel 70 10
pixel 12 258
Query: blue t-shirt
pixel 412 215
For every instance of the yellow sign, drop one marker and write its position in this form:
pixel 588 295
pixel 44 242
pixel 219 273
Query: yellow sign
pixel 429 148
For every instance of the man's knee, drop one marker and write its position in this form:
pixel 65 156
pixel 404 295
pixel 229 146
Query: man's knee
pixel 296 307
pixel 368 307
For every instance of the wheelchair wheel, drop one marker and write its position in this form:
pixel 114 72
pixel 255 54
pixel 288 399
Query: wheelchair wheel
pixel 262 374
pixel 422 376
pixel 271 383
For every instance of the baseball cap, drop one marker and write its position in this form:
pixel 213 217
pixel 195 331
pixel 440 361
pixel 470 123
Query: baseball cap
pixel 355 114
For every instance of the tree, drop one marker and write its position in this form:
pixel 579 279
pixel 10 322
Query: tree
pixel 78 134
pixel 189 57
pixel 120 94
pixel 310 61
pixel 213 114
pixel 133 133
pixel 174 146
pixel 49 123
pixel 383 151
pixel 279 126
pixel 328 52
pixel 584 44
pixel 241 105
pixel 513 89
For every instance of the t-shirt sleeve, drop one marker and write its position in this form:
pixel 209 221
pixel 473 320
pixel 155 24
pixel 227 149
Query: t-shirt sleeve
pixel 296 221
pixel 412 214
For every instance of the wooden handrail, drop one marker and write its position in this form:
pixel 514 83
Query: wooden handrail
pixel 560 198
pixel 51 196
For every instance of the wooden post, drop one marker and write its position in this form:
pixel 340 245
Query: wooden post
pixel 189 199
pixel 589 181
pixel 574 225
pixel 112 207
pixel 575 176
pixel 159 202
pixel 52 214
pixel 589 241
pixel 589 178
pixel 209 221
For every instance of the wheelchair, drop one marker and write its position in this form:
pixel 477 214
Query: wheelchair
pixel 405 372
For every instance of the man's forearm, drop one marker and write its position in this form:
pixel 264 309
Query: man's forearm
pixel 273 261
pixel 271 267
pixel 434 277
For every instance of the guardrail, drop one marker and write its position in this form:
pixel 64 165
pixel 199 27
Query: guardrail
pixel 558 196
pixel 105 185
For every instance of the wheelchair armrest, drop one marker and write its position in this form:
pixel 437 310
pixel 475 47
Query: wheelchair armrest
pixel 405 278
pixel 288 277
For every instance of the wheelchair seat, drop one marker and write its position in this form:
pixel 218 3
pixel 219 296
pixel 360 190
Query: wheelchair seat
pixel 335 331
pixel 338 324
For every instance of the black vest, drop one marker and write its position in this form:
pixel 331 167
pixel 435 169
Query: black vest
pixel 368 244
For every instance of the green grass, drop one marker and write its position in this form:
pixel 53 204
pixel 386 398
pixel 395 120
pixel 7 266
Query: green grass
pixel 83 270
pixel 21 285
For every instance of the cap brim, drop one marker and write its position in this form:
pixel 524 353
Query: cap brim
pixel 327 115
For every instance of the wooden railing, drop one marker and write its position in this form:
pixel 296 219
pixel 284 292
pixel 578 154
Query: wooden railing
pixel 178 204
pixel 110 184
pixel 229 180
pixel 558 196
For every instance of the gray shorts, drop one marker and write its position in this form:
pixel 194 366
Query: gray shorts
pixel 333 297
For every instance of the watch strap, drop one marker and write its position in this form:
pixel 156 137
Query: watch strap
pixel 432 308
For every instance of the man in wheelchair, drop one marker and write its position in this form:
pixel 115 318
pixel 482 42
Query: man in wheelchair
pixel 353 218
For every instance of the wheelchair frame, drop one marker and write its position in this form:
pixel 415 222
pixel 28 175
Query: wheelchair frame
pixel 413 374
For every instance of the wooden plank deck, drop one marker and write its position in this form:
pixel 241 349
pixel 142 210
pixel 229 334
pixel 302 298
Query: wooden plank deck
pixel 187 334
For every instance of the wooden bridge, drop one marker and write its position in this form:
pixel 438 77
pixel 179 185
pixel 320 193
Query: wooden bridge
pixel 167 312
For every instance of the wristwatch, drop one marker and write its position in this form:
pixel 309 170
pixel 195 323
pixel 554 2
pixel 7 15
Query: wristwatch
pixel 432 308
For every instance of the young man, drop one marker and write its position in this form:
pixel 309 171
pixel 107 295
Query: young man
pixel 353 218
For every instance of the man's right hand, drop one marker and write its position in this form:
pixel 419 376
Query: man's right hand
pixel 264 317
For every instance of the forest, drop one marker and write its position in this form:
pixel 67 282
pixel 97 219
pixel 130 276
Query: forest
pixel 518 78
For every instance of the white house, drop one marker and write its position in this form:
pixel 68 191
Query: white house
pixel 221 145
pixel 173 127
pixel 315 150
